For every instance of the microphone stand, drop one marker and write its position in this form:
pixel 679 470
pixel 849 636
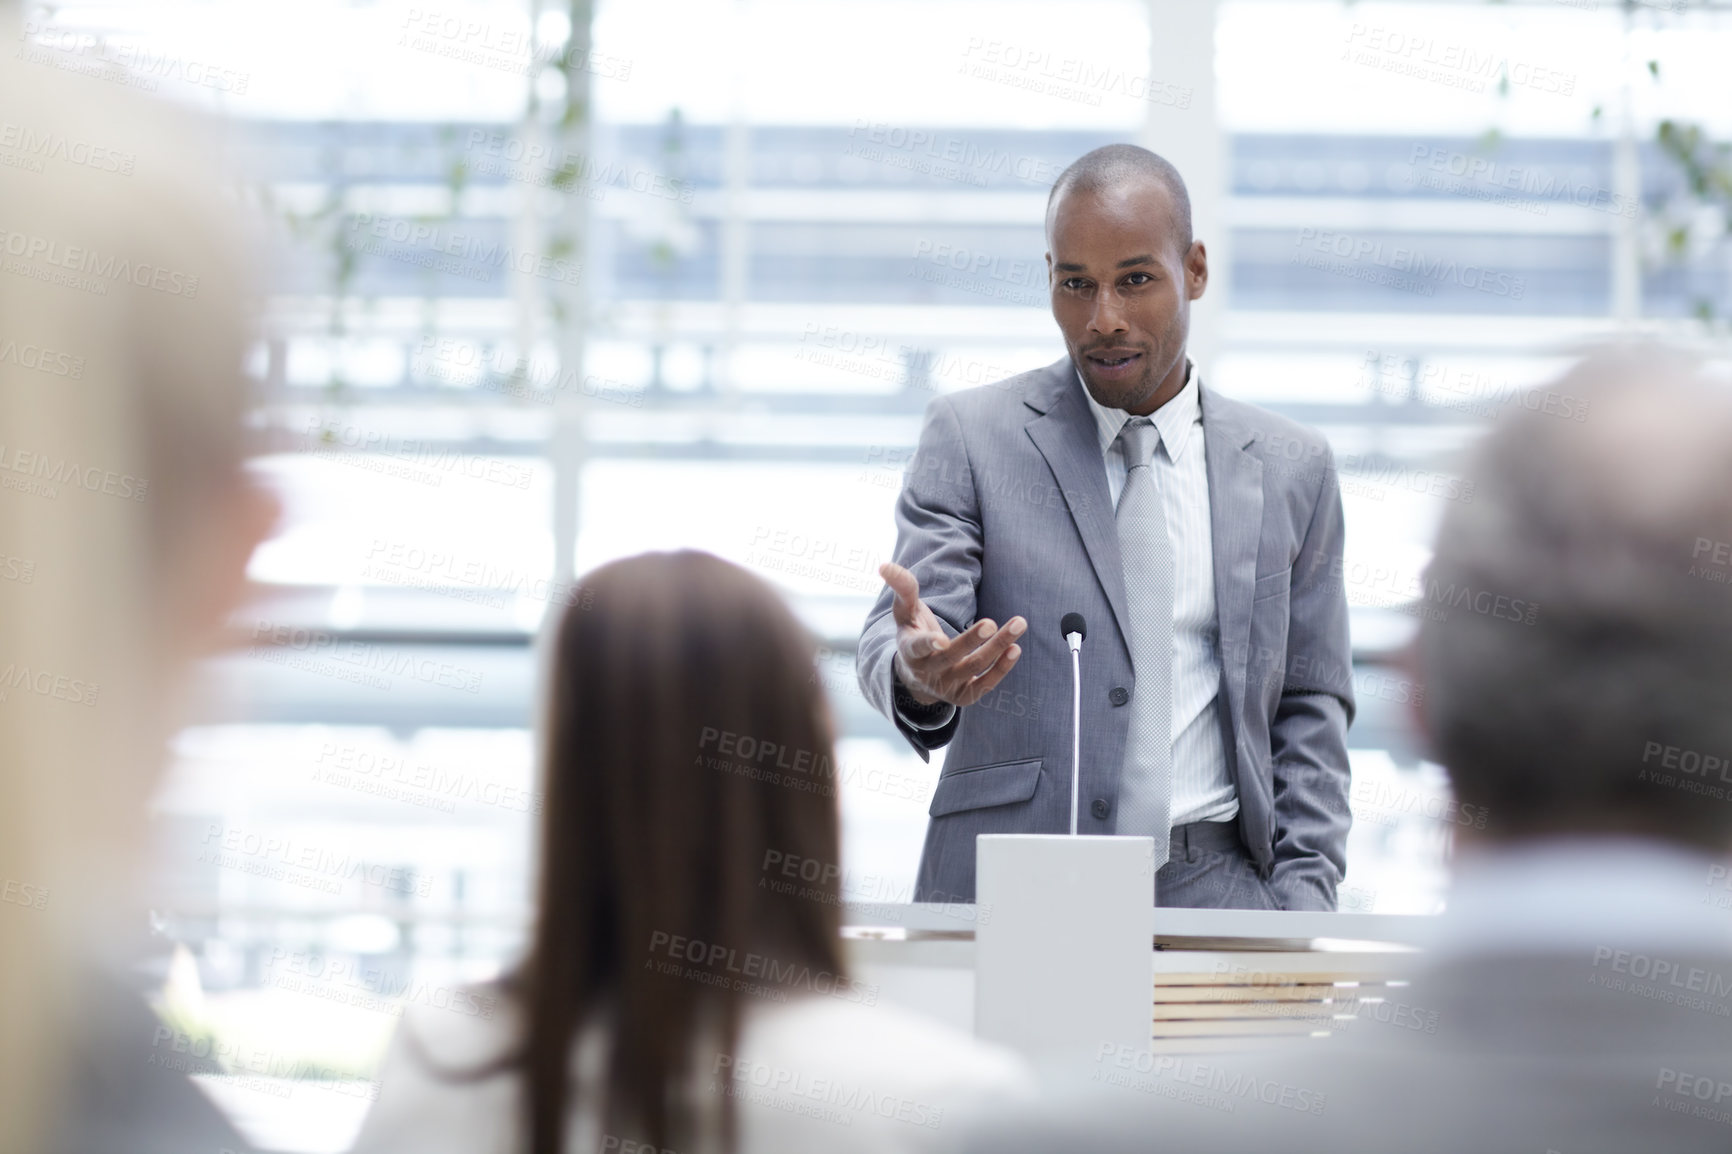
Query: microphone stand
pixel 1075 629
pixel 1075 724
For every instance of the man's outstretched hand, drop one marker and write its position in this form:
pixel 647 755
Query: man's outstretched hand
pixel 935 667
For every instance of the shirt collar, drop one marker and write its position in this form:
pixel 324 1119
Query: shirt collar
pixel 1566 893
pixel 1174 419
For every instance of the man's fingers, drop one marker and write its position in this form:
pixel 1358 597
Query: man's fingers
pixel 985 655
pixel 980 686
pixel 923 644
pixel 973 637
pixel 906 589
pixel 935 643
pixel 956 669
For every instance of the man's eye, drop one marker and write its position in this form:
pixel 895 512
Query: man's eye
pixel 1139 278
pixel 1075 284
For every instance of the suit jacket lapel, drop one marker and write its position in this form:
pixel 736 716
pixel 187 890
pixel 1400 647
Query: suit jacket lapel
pixel 1064 432
pixel 1236 524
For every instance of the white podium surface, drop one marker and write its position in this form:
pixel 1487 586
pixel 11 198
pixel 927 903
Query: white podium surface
pixel 1061 943
pixel 1234 980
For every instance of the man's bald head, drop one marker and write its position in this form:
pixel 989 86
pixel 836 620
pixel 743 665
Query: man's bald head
pixel 1114 165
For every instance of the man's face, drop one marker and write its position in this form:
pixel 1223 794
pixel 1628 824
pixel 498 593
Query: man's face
pixel 1122 290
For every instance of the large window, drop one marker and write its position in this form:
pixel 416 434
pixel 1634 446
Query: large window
pixel 539 297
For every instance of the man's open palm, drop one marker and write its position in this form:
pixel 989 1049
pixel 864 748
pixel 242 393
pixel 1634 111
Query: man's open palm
pixel 933 666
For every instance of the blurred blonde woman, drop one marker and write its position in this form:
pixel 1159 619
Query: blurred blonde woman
pixel 675 996
pixel 125 526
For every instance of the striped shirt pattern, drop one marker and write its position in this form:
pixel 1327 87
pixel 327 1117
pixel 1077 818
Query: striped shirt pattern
pixel 1202 788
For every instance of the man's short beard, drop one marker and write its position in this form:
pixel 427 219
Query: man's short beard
pixel 1156 366
pixel 1130 391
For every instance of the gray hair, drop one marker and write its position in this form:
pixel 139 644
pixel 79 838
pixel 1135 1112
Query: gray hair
pixel 1601 704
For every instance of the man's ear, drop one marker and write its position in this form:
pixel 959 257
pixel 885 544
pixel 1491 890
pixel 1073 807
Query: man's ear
pixel 1049 270
pixel 1196 270
pixel 1407 665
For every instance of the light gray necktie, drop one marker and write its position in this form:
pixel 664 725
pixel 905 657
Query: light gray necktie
pixel 1146 786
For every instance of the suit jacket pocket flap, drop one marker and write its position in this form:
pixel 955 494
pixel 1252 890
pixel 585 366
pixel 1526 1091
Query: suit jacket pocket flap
pixel 979 786
pixel 1272 583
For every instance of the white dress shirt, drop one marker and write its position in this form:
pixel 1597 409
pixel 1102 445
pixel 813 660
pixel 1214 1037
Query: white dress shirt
pixel 1202 788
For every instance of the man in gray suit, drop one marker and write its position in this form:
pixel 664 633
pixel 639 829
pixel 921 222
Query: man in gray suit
pixel 1199 537
pixel 1577 996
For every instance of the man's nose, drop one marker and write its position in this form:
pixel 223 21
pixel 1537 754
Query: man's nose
pixel 1108 315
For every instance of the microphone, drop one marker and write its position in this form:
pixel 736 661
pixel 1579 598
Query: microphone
pixel 1075 629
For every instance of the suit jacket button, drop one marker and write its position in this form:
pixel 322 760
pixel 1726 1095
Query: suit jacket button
pixel 1119 695
pixel 1100 808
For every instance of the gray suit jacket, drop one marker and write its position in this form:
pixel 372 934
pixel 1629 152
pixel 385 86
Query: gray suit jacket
pixel 1491 1054
pixel 1005 510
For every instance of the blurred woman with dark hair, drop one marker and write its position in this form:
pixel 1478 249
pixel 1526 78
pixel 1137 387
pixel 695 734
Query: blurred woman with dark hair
pixel 672 998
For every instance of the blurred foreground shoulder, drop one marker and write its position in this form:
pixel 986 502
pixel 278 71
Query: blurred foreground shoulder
pixel 872 1076
pixel 438 1089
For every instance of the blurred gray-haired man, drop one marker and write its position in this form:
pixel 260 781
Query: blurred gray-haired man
pixel 1579 993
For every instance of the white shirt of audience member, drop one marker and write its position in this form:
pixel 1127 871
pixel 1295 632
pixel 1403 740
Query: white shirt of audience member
pixel 810 1074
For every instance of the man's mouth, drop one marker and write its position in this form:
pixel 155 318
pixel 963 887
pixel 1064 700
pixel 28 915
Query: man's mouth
pixel 1113 359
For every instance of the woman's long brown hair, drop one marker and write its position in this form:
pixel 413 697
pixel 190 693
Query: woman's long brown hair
pixel 689 755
